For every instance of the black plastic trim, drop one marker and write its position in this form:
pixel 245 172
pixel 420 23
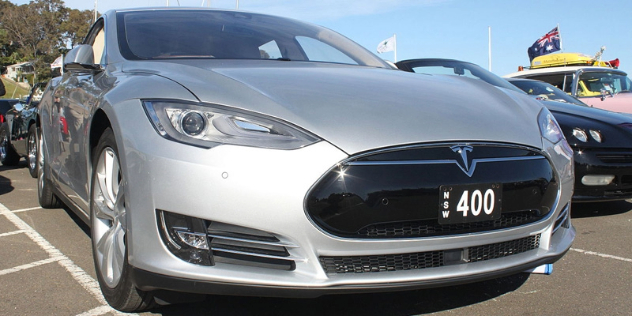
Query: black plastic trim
pixel 148 281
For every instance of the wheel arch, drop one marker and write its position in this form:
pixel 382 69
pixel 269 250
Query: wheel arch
pixel 100 122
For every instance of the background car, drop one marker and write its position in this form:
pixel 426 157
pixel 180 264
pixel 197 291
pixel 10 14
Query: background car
pixel 5 105
pixel 603 87
pixel 544 91
pixel 19 132
pixel 601 140
pixel 234 153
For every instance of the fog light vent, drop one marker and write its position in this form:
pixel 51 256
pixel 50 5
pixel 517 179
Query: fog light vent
pixel 597 180
pixel 245 246
pixel 185 237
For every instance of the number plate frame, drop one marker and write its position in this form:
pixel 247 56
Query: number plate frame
pixel 454 194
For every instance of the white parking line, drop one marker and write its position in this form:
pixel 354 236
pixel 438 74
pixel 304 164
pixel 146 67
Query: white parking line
pixel 28 266
pixel 603 255
pixel 27 209
pixel 12 233
pixel 85 280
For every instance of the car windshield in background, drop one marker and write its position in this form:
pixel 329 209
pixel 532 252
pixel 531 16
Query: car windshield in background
pixel 545 91
pixel 458 68
pixel 158 34
pixel 593 83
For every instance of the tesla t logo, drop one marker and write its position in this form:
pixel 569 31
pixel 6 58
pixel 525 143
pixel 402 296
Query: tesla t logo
pixel 466 166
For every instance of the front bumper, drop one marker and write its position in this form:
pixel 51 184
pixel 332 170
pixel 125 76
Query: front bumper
pixel 148 281
pixel 616 162
pixel 265 190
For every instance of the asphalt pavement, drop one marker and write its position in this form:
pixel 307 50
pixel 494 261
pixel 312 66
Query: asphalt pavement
pixel 46 268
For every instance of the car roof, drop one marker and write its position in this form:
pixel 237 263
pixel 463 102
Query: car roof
pixel 570 69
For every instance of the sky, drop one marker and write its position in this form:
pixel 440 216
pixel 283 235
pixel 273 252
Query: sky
pixel 457 29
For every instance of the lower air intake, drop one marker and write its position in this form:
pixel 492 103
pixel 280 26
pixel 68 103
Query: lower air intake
pixel 429 259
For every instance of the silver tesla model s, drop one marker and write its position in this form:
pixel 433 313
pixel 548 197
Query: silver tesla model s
pixel 225 152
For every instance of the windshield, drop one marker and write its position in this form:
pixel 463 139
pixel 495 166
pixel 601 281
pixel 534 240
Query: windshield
pixel 594 83
pixel 545 91
pixel 168 34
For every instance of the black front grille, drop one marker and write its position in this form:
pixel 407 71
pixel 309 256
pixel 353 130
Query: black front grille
pixel 407 261
pixel 621 158
pixel 503 249
pixel 432 228
pixel 397 193
pixel 429 259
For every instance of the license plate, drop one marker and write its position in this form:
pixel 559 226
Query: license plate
pixel 469 203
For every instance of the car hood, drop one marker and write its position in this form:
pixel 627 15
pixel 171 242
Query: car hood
pixel 361 108
pixel 591 113
pixel 621 102
pixel 614 127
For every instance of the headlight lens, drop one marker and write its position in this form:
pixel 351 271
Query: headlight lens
pixel 549 127
pixel 208 125
pixel 580 135
pixel 596 135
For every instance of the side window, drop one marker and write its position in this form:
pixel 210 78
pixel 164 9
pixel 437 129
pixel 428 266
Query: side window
pixel 319 51
pixel 270 50
pixel 96 38
pixel 98 47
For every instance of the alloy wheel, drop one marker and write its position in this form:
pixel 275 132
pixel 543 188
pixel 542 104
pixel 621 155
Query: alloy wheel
pixel 33 144
pixel 108 219
pixel 3 146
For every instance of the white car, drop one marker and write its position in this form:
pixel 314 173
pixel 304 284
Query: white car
pixel 226 152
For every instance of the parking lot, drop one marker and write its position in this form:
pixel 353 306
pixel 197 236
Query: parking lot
pixel 46 269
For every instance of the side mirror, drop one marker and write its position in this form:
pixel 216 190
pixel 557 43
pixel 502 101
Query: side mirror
pixel 18 107
pixel 458 70
pixel 80 58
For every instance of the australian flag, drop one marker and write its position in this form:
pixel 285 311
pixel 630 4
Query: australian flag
pixel 545 45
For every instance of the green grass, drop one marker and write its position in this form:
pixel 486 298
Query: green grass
pixel 14 91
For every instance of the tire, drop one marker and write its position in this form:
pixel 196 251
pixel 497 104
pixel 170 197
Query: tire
pixel 109 229
pixel 33 152
pixel 8 156
pixel 45 195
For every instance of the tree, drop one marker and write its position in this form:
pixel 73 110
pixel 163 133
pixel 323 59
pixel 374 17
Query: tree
pixel 35 28
pixel 76 26
pixel 8 49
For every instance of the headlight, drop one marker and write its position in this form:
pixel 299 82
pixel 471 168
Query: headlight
pixel 582 136
pixel 549 127
pixel 596 135
pixel 208 125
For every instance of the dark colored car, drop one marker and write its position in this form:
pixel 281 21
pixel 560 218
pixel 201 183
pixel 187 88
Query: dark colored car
pixel 6 105
pixel 19 132
pixel 544 91
pixel 601 140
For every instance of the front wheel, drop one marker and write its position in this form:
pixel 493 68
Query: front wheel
pixel 109 229
pixel 45 195
pixel 33 150
pixel 8 156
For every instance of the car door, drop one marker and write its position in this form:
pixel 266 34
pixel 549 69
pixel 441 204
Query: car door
pixel 78 99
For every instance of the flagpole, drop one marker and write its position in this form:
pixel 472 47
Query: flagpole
pixel 395 49
pixel 489 49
